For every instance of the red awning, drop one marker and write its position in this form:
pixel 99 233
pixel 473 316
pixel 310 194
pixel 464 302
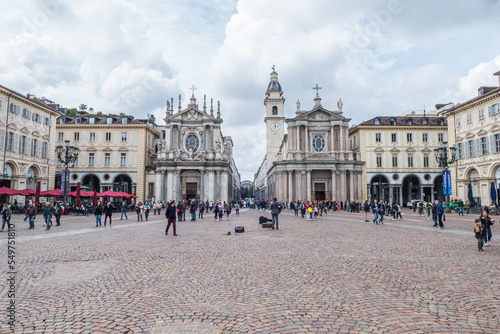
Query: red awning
pixel 110 193
pixel 26 192
pixel 52 193
pixel 8 191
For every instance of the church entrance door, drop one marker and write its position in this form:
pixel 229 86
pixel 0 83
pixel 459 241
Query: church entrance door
pixel 191 190
pixel 319 192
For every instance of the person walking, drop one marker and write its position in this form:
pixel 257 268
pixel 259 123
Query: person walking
pixel 155 208
pixel 381 211
pixel 428 208
pixel 216 213
pixel 398 211
pixel 480 234
pixel 201 209
pixel 147 209
pixel 440 213
pixel 309 210
pixel 221 209
pixel 275 211
pixel 192 210
pixel 434 213
pixel 375 212
pixel 159 206
pixel 98 214
pixel 58 213
pixel 302 208
pixel 47 215
pixel 366 208
pixel 31 215
pixel 6 216
pixel 486 222
pixel 123 209
pixel 227 209
pixel 171 214
pixel 461 207
pixel 108 212
pixel 140 211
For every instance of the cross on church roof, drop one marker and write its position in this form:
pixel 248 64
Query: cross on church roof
pixel 274 68
pixel 193 88
pixel 317 88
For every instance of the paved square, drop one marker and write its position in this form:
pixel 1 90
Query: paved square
pixel 335 274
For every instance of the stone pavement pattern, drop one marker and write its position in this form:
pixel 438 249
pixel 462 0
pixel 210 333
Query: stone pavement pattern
pixel 336 274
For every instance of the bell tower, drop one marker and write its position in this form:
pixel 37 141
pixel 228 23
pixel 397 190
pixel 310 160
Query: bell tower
pixel 274 119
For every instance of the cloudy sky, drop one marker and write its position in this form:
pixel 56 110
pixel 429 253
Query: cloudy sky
pixel 381 57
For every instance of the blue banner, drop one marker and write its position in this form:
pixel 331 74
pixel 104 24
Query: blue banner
pixel 64 182
pixel 449 183
pixel 445 183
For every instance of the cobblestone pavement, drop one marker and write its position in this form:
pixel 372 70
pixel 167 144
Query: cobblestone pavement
pixel 335 274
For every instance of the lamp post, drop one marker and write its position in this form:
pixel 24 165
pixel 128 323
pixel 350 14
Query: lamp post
pixel 66 155
pixel 441 155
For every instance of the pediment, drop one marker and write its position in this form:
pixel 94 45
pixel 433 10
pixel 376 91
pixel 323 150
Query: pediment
pixel 481 132
pixel 495 128
pixel 25 131
pixel 123 149
pixel 107 149
pixel 469 135
pixel 378 149
pixel 190 114
pixel 410 150
pixel 459 138
pixel 395 150
pixel 12 126
pixel 427 150
pixel 319 114
pixel 36 134
pixel 46 137
pixel 91 148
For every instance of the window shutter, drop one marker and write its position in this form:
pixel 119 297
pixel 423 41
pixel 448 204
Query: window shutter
pixel 467 154
pixel 487 146
pixel 48 151
pixel 16 142
pixel 478 147
pixel 28 145
pixel 2 139
pixel 493 149
pixel 39 153
pixel 50 121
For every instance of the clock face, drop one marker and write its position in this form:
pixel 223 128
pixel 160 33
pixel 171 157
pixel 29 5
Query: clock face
pixel 275 126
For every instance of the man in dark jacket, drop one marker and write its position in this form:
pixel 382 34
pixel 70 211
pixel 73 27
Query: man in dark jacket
pixel 31 215
pixel 440 213
pixel 192 209
pixel 170 214
pixel 434 213
pixel 275 211
pixel 108 212
pixel 47 214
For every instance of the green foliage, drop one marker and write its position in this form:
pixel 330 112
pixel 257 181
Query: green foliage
pixel 71 112
pixel 83 107
pixel 250 192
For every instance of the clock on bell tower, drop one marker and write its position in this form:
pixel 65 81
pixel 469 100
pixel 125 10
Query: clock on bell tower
pixel 274 119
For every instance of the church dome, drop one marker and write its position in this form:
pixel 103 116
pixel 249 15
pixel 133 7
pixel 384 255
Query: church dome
pixel 274 86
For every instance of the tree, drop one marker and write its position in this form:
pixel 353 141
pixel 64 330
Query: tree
pixel 250 192
pixel 82 107
pixel 71 112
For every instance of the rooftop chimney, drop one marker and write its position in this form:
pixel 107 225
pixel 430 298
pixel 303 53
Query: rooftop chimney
pixel 498 75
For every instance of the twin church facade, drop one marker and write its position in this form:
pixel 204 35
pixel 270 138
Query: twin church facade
pixel 313 160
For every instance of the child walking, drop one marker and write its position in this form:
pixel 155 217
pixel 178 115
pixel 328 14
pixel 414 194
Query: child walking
pixel 480 234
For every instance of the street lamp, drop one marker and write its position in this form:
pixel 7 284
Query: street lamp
pixel 66 156
pixel 441 154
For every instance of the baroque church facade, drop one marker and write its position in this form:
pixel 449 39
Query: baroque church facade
pixel 313 160
pixel 192 159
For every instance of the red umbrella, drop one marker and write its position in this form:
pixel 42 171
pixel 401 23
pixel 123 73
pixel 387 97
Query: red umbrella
pixel 8 191
pixel 83 193
pixel 51 193
pixel 37 194
pixel 78 195
pixel 125 195
pixel 110 193
pixel 94 199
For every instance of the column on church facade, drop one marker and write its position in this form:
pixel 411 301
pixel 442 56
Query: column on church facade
pixel 211 185
pixel 308 185
pixel 202 185
pixel 332 136
pixel 341 138
pixel 280 185
pixel 360 186
pixel 178 194
pixel 297 138
pixel 334 185
pixel 351 186
pixel 290 186
pixel 224 186
pixel 303 187
pixel 297 186
pixel 160 180
pixel 217 185
pixel 342 186
pixel 401 196
pixel 169 185
pixel 306 140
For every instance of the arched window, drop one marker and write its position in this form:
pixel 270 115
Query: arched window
pixel 275 110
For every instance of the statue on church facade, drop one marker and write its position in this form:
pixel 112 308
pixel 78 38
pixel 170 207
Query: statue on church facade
pixel 340 104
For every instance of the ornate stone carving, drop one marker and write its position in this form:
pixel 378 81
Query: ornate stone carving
pixel 318 116
pixel 190 155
